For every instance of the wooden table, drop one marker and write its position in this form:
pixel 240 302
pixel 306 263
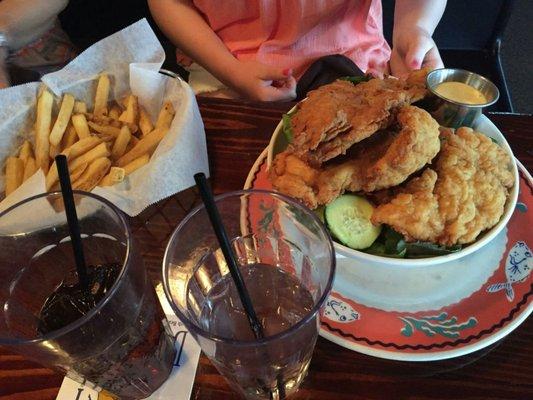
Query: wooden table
pixel 236 134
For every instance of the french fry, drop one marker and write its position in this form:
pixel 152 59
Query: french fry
pixel 115 112
pixel 102 94
pixel 131 112
pixel 54 151
pixel 106 181
pixel 80 107
pixel 132 143
pixel 52 177
pixel 75 174
pixel 105 120
pixel 166 114
pixel 145 146
pixel 25 151
pixel 30 167
pixel 145 123
pixel 117 124
pixel 102 146
pixel 107 138
pixel 70 137
pixel 14 174
pixel 104 129
pixel 98 151
pixel 99 119
pixel 93 174
pixel 57 202
pixel 82 146
pixel 136 164
pixel 121 142
pixel 115 175
pixel 42 129
pixel 62 120
pixel 123 102
pixel 79 122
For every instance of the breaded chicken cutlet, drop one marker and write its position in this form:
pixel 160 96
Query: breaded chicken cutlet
pixel 464 195
pixel 379 162
pixel 340 114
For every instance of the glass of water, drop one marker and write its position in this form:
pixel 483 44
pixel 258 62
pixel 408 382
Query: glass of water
pixel 287 261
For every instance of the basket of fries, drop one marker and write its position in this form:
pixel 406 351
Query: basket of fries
pixel 130 134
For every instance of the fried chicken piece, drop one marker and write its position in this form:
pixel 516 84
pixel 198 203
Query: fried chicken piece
pixel 383 160
pixel 295 178
pixel 416 145
pixel 350 175
pixel 386 161
pixel 414 212
pixel 468 197
pixel 474 178
pixel 338 115
pixel 321 116
pixel 374 110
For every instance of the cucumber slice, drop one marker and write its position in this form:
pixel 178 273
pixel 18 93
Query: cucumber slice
pixel 348 219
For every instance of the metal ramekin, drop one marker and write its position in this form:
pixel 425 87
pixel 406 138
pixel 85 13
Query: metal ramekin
pixel 451 113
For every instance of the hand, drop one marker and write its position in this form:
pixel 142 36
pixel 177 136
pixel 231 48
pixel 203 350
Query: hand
pixel 262 82
pixel 413 49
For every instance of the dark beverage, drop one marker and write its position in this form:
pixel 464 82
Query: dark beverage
pixel 140 360
pixel 144 351
pixel 111 335
pixel 70 301
pixel 280 301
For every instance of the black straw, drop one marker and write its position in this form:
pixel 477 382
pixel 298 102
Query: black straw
pixel 72 219
pixel 222 236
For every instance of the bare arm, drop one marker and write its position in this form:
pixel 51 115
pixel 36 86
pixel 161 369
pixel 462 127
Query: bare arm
pixel 186 28
pixel 24 21
pixel 414 24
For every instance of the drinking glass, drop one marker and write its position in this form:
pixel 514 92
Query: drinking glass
pixel 287 261
pixel 124 344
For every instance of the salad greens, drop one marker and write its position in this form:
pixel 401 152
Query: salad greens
pixel 356 79
pixel 426 249
pixel 388 244
pixel 286 125
pixel 392 244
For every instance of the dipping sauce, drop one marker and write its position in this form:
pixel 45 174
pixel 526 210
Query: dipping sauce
pixel 460 92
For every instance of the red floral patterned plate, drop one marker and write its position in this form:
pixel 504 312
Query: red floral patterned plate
pixel 500 305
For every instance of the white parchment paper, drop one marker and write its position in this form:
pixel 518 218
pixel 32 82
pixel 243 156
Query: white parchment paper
pixel 132 57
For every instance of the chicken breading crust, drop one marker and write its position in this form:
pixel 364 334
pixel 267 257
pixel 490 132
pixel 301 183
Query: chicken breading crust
pixel 473 177
pixel 382 161
pixel 338 115
pixel 388 162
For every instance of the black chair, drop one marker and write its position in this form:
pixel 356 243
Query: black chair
pixel 469 36
pixel 88 21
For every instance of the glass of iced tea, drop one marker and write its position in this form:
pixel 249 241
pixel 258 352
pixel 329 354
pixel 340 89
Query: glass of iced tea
pixel 109 334
pixel 287 261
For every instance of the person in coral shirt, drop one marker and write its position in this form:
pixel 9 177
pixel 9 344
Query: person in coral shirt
pixel 259 48
pixel 32 42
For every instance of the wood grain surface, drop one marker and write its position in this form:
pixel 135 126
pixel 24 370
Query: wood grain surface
pixel 236 134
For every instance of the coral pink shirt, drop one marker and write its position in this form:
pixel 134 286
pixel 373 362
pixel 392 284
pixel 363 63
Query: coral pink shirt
pixel 294 33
